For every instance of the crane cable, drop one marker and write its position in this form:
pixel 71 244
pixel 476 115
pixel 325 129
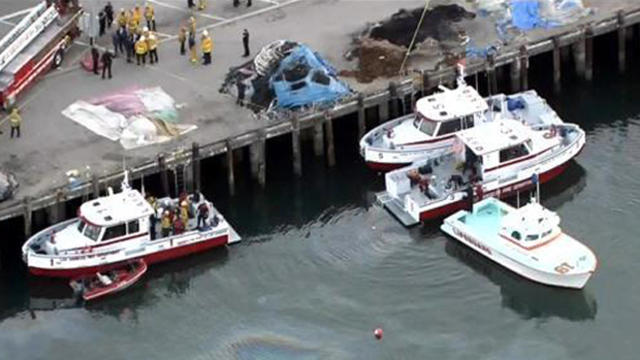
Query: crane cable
pixel 415 35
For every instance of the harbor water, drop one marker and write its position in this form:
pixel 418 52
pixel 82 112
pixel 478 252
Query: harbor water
pixel 321 266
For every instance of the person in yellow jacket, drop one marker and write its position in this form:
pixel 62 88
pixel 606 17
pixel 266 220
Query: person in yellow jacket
pixel 137 14
pixel 133 23
pixel 152 45
pixel 184 212
pixel 202 4
pixel 123 18
pixel 15 120
pixel 192 47
pixel 182 38
pixel 141 50
pixel 165 223
pixel 192 25
pixel 150 15
pixel 207 47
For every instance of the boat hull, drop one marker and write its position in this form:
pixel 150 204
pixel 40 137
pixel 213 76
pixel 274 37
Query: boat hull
pixel 150 258
pixel 573 281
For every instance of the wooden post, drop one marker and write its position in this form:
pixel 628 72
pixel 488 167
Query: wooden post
pixel 95 185
pixel 515 75
pixel 331 152
pixel 230 175
pixel 318 139
pixel 588 70
pixel 362 126
pixel 383 111
pixel 295 146
pixel 492 82
pixel 622 43
pixel 195 167
pixel 557 65
pixel 579 55
pixel 164 174
pixel 393 100
pixel 426 84
pixel 524 68
pixel 262 164
pixel 27 208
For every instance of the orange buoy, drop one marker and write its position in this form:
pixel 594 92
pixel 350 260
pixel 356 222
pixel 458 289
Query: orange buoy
pixel 378 333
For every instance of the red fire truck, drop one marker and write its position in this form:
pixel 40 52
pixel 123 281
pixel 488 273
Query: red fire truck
pixel 36 45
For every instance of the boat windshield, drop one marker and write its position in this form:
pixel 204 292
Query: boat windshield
pixel 425 125
pixel 91 231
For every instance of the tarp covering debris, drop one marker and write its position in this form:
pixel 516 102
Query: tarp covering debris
pixel 525 15
pixel 135 118
pixel 285 75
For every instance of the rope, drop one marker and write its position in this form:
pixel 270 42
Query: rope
pixel 415 35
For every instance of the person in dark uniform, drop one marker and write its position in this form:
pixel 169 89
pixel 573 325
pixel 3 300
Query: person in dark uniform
pixel 236 3
pixel 108 11
pixel 245 42
pixel 241 88
pixel 248 3
pixel 129 46
pixel 95 56
pixel 107 58
pixel 190 4
pixel 122 40
pixel 102 21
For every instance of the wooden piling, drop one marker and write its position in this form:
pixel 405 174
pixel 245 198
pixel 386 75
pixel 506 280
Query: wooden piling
pixel 524 68
pixel 230 174
pixel 383 111
pixel 557 65
pixel 492 82
pixel 426 83
pixel 95 185
pixel 27 214
pixel 393 100
pixel 579 55
pixel 295 146
pixel 362 126
pixel 318 139
pixel 515 75
pixel 588 69
pixel 622 42
pixel 195 167
pixel 331 153
pixel 262 164
pixel 164 174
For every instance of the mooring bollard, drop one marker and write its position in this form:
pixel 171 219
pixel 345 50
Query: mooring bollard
pixel 295 146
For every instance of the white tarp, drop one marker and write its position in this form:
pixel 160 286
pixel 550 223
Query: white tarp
pixel 137 130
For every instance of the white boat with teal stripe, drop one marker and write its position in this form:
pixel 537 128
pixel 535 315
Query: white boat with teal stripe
pixel 526 240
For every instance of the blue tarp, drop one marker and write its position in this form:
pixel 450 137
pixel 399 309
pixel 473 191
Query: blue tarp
pixel 304 78
pixel 525 14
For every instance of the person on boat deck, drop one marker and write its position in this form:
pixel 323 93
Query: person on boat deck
pixel 165 223
pixel 178 226
pixel 104 279
pixel 203 214
pixel 184 212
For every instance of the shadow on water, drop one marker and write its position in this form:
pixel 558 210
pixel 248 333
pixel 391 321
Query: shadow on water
pixel 529 299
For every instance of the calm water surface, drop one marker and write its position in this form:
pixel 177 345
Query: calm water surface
pixel 321 266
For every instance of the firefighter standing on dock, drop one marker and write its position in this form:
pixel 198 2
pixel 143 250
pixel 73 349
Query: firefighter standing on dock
pixel 207 47
pixel 15 120
pixel 123 18
pixel 152 45
pixel 150 16
pixel 141 50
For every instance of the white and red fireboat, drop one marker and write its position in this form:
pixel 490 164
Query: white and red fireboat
pixel 116 229
pixel 437 118
pixel 496 159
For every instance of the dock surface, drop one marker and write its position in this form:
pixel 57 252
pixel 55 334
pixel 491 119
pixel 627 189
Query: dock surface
pixel 51 144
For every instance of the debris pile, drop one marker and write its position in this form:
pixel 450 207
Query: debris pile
pixel 285 75
pixel 381 48
pixel 135 118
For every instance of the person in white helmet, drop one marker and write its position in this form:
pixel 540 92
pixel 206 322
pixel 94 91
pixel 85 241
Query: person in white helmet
pixel 207 47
